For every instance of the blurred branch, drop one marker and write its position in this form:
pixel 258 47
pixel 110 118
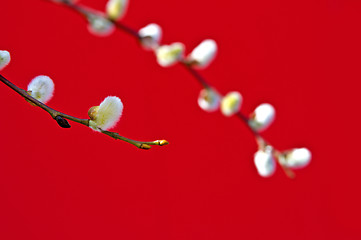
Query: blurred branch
pixel 263 145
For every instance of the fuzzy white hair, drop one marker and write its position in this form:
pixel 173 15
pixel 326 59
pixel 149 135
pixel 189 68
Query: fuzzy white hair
pixel 109 113
pixel 204 53
pixel 4 59
pixel 41 88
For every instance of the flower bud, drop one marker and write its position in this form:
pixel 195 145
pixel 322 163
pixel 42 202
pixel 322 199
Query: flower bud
pixel 150 36
pixel 93 111
pixel 262 117
pixel 106 115
pixel 209 100
pixel 203 54
pixel 168 55
pixel 99 25
pixel 264 161
pixel 231 103
pixel 116 9
pixel 295 158
pixel 41 88
pixel 4 59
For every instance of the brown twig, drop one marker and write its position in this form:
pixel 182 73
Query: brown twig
pixel 60 118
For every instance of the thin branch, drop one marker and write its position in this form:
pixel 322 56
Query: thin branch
pixel 85 11
pixel 205 84
pixel 197 75
pixel 82 10
pixel 126 29
pixel 59 117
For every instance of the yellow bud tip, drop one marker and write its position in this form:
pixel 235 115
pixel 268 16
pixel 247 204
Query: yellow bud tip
pixel 92 113
pixel 163 142
pixel 145 146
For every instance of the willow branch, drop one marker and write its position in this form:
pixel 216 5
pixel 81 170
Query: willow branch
pixel 60 117
pixel 85 11
pixel 261 141
pixel 205 84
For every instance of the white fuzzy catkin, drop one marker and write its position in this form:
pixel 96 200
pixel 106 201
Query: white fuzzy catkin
pixel 150 35
pixel 262 117
pixel 265 163
pixel 203 54
pixel 4 59
pixel 231 103
pixel 296 158
pixel 99 25
pixel 209 100
pixel 108 114
pixel 41 88
pixel 168 55
pixel 116 9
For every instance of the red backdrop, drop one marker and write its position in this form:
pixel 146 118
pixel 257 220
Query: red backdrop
pixel 301 56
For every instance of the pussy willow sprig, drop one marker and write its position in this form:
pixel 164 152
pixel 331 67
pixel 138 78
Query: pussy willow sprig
pixel 265 159
pixel 40 90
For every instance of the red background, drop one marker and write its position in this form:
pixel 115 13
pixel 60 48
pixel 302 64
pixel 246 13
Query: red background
pixel 301 56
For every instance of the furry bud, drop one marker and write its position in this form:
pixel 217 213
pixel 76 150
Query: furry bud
pixel 295 158
pixel 168 55
pixel 203 54
pixel 231 103
pixel 41 88
pixel 264 161
pixel 106 115
pixel 99 25
pixel 209 100
pixel 116 9
pixel 150 36
pixel 262 117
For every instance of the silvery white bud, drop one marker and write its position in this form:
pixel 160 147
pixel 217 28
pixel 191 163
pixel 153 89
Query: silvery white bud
pixel 41 88
pixel 295 158
pixel 99 25
pixel 116 9
pixel 168 55
pixel 150 35
pixel 262 117
pixel 264 161
pixel 203 54
pixel 4 59
pixel 231 103
pixel 209 100
pixel 107 114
